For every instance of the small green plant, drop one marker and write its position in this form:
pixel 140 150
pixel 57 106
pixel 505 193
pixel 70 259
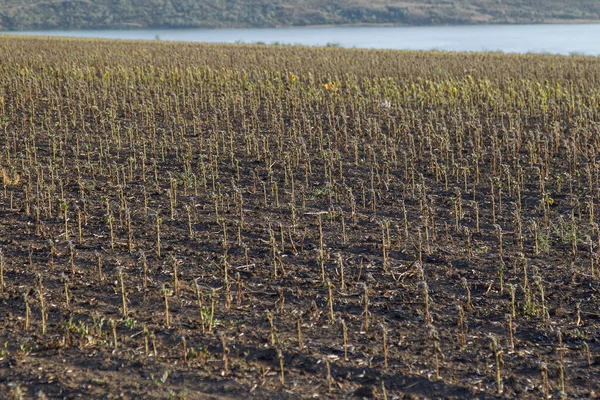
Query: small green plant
pixel 162 380
pixel 130 323
pixel 4 350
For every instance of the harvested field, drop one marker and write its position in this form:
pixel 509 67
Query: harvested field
pixel 202 221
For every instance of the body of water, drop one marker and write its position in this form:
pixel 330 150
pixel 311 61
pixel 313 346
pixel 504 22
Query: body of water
pixel 554 39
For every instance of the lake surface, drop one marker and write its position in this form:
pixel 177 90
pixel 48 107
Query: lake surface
pixel 555 39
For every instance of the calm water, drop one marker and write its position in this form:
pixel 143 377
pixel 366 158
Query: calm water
pixel 555 39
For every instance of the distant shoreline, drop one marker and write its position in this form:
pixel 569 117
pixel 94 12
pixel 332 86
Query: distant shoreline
pixel 554 39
